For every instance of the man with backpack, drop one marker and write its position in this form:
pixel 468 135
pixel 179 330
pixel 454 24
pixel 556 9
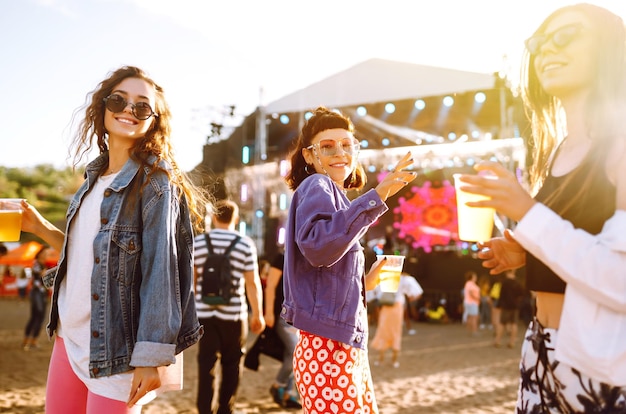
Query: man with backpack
pixel 222 307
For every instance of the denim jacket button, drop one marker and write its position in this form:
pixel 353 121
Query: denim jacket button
pixel 104 220
pixel 107 192
pixel 95 334
pixel 96 296
pixel 372 203
pixel 358 339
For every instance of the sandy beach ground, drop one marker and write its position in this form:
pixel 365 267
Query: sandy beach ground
pixel 442 370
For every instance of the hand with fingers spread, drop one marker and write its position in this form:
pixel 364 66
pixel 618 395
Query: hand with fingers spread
pixel 505 193
pixel 502 253
pixel 396 179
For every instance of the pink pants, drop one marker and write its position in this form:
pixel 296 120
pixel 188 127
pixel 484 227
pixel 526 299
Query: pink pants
pixel 66 393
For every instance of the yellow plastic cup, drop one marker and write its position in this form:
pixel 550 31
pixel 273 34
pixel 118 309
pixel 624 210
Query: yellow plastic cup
pixel 10 219
pixel 475 223
pixel 390 272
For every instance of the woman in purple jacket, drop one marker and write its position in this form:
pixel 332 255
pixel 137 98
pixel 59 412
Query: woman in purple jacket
pixel 324 274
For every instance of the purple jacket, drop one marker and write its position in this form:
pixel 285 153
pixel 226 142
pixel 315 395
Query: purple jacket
pixel 324 261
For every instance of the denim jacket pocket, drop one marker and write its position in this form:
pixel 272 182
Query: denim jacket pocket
pixel 125 258
pixel 335 296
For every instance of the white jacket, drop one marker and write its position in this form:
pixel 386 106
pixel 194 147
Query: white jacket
pixel 592 332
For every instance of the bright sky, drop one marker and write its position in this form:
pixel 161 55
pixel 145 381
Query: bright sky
pixel 208 54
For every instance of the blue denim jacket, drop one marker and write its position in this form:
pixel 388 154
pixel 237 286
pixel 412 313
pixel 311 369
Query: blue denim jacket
pixel 142 309
pixel 324 262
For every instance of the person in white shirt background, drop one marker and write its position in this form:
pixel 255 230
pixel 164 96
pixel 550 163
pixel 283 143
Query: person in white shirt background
pixel 391 318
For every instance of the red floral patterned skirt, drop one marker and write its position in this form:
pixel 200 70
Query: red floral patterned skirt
pixel 332 377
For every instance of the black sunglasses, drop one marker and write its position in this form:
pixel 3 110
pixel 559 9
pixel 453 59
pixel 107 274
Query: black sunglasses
pixel 560 38
pixel 116 103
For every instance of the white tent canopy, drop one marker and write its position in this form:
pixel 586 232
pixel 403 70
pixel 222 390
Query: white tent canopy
pixel 378 80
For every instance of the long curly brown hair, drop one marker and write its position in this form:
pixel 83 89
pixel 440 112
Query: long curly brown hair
pixel 322 119
pixel 155 143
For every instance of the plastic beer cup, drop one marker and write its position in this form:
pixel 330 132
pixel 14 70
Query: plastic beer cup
pixel 10 219
pixel 475 223
pixel 390 272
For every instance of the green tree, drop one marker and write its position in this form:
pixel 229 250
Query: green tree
pixel 48 189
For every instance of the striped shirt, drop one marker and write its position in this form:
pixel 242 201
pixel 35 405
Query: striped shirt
pixel 243 257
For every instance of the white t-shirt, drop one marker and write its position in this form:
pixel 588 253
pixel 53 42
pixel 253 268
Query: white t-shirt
pixel 408 286
pixel 75 296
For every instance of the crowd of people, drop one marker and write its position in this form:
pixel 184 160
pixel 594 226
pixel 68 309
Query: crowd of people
pixel 128 294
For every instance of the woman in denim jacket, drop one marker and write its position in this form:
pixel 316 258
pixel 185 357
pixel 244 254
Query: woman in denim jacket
pixel 122 306
pixel 324 275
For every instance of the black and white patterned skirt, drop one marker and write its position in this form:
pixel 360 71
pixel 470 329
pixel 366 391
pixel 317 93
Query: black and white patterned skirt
pixel 550 386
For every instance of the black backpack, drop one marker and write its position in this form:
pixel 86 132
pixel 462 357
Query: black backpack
pixel 217 280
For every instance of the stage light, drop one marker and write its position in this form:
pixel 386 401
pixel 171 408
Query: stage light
pixel 259 213
pixel 282 201
pixel 390 108
pixel 480 97
pixel 448 101
pixel 281 235
pixel 365 143
pixel 242 227
pixel 385 141
pixel 371 168
pixel 475 134
pixel 283 168
pixel 451 136
pixel 420 104
pixel 361 111
pixel 284 119
pixel 244 193
pixel 308 115
pixel 245 154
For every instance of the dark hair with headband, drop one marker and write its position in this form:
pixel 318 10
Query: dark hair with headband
pixel 322 120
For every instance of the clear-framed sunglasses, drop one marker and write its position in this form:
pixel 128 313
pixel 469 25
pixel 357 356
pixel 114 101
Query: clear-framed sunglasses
pixel 330 147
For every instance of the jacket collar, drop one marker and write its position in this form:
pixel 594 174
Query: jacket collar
pixel 124 177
